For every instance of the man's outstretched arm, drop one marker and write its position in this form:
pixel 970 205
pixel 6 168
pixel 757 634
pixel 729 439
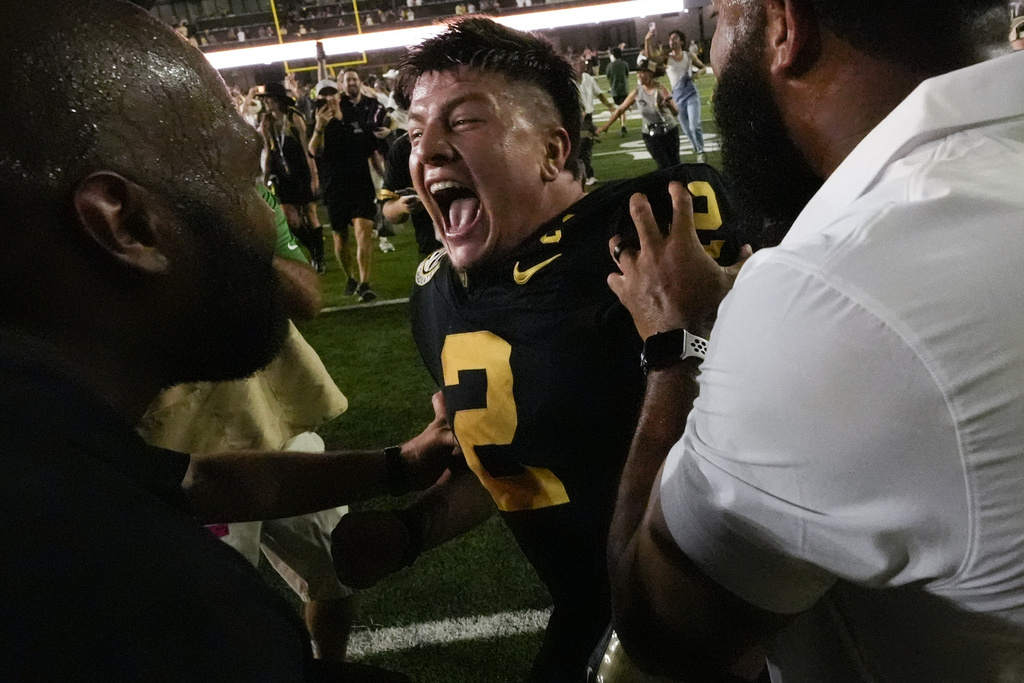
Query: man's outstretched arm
pixel 669 615
pixel 241 486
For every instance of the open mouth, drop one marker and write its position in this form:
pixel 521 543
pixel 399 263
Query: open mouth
pixel 459 206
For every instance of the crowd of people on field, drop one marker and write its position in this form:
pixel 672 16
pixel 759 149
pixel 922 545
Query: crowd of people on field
pixel 756 423
pixel 286 115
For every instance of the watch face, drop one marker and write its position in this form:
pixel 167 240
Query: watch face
pixel 665 348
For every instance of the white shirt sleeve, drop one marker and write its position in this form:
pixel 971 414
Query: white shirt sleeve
pixel 819 448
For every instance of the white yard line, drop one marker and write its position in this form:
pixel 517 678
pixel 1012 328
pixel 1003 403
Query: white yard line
pixel 372 304
pixel 365 643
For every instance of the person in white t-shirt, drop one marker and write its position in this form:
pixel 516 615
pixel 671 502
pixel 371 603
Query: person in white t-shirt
pixel 679 64
pixel 589 91
pixel 1017 25
pixel 844 495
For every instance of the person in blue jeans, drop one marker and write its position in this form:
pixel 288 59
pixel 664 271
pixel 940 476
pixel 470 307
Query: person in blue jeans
pixel 679 67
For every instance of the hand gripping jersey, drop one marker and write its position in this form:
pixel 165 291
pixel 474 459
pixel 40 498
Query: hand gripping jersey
pixel 539 364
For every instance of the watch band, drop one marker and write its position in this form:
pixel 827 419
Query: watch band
pixel 397 477
pixel 667 348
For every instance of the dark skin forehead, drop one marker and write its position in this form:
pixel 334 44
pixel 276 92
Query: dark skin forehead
pixel 124 92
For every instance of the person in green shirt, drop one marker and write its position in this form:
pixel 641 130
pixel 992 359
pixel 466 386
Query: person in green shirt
pixel 618 86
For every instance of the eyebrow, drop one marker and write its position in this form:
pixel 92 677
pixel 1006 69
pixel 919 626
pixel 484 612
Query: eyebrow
pixel 451 104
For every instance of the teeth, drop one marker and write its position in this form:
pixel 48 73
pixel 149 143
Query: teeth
pixel 446 185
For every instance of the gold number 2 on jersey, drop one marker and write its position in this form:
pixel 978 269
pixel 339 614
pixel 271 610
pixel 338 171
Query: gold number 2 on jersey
pixel 712 220
pixel 495 423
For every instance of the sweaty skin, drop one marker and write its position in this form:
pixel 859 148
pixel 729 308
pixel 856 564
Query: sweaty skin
pixel 488 168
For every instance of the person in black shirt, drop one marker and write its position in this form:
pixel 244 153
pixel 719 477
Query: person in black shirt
pixel 291 170
pixel 343 141
pixel 537 360
pixel 159 271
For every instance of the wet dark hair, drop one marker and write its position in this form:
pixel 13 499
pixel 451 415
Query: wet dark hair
pixel 617 52
pixel 682 36
pixel 931 36
pixel 482 44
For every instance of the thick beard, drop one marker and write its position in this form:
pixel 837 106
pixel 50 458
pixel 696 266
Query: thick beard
pixel 772 180
pixel 236 322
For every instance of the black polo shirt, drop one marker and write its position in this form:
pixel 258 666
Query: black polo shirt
pixel 105 575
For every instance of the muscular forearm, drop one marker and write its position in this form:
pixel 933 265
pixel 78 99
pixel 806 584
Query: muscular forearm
pixel 670 395
pixel 300 286
pixel 669 615
pixel 316 142
pixel 241 486
pixel 250 485
pixel 457 503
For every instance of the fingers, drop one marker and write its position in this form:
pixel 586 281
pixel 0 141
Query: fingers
pixel 734 270
pixel 621 251
pixel 682 214
pixel 643 217
pixel 446 436
pixel 616 282
pixel 440 411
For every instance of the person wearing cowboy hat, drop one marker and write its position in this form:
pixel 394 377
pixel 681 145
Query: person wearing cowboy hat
pixel 292 171
pixel 659 127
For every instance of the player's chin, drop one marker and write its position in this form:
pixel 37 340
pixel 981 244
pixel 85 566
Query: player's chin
pixel 463 254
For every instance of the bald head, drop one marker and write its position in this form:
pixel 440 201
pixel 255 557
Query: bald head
pixel 101 84
pixel 122 155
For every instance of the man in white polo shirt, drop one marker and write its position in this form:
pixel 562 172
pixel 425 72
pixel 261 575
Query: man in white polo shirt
pixel 845 494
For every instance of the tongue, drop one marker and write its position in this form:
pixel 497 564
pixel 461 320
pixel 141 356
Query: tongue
pixel 462 213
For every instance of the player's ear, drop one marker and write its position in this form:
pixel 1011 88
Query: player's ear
pixel 556 152
pixel 793 36
pixel 121 219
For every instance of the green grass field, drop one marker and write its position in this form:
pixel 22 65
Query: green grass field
pixel 370 353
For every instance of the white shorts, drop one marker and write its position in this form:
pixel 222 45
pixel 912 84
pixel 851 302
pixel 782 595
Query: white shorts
pixel 298 548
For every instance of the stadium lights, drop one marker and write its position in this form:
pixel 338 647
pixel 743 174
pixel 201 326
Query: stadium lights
pixel 382 40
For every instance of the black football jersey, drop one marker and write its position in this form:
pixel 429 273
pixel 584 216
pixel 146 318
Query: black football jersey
pixel 536 357
pixel 539 365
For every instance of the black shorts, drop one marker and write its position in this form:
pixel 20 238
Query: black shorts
pixel 619 99
pixel 293 190
pixel 342 212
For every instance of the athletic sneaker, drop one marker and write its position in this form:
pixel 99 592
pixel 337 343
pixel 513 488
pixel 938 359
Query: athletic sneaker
pixel 702 158
pixel 364 293
pixel 350 288
pixel 622 133
pixel 385 245
pixel 591 180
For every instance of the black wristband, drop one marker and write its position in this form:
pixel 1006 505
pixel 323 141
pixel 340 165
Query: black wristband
pixel 668 348
pixel 395 472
